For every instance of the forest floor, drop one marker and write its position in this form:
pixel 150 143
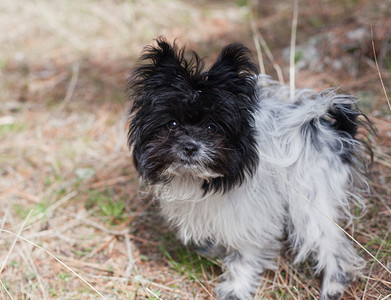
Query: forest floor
pixel 73 224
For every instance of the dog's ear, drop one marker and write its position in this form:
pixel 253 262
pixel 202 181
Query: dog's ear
pixel 234 71
pixel 164 65
pixel 163 57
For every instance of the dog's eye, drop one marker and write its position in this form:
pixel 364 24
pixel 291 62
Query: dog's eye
pixel 172 125
pixel 211 127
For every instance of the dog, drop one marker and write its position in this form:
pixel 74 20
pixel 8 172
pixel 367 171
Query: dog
pixel 240 169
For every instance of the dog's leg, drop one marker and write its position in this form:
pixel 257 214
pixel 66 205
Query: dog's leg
pixel 337 275
pixel 210 249
pixel 243 271
pixel 313 234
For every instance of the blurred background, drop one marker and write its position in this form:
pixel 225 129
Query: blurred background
pixel 67 182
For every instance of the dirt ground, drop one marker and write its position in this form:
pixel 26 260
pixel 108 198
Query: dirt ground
pixel 73 223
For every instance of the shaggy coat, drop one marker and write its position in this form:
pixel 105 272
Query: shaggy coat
pixel 238 168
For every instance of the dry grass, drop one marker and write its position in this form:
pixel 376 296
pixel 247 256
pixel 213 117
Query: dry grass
pixel 67 185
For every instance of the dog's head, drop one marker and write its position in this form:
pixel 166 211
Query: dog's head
pixel 189 122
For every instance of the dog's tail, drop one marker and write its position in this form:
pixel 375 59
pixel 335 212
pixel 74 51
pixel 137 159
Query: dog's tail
pixel 345 118
pixel 320 112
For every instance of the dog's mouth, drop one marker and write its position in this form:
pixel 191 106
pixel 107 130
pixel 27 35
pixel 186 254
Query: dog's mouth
pixel 188 162
pixel 191 168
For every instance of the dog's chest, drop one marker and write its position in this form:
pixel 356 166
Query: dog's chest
pixel 230 219
pixel 208 219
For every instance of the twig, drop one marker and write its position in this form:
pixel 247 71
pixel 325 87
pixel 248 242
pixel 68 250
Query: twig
pixel 285 285
pixel 299 281
pixel 269 54
pixel 112 181
pixel 80 263
pixel 373 264
pixel 14 242
pixel 57 259
pixel 256 44
pixel 293 47
pixel 6 290
pixel 141 240
pixel 378 71
pixel 387 283
pixel 30 261
pixel 71 86
pixel 131 261
pixel 6 214
pixel 100 248
pixel 135 279
pixel 54 206
pixel 27 196
pixel 151 292
pixel 114 233
pixel 102 228
pixel 203 287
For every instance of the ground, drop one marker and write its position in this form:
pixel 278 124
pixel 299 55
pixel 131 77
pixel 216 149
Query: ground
pixel 68 188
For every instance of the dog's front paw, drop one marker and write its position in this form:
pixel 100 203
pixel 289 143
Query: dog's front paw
pixel 334 287
pixel 335 296
pixel 228 290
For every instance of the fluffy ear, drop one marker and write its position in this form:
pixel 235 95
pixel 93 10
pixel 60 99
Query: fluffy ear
pixel 160 63
pixel 163 66
pixel 234 71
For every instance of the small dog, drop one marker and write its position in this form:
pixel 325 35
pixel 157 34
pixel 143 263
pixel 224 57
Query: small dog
pixel 239 171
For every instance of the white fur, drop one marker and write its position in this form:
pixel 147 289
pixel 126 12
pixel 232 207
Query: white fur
pixel 250 221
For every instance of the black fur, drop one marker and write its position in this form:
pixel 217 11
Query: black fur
pixel 345 120
pixel 175 99
pixel 197 126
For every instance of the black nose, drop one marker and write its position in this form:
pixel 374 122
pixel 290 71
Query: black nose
pixel 190 148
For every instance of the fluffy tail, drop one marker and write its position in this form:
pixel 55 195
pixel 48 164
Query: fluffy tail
pixel 347 119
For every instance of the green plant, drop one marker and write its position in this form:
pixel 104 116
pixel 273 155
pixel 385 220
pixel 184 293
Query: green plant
pixel 187 262
pixel 63 276
pixel 107 206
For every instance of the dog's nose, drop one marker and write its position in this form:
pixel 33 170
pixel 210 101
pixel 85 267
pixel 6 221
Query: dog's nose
pixel 190 148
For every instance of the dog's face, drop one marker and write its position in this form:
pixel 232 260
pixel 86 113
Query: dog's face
pixel 190 122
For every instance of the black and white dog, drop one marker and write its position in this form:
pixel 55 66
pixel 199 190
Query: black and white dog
pixel 239 169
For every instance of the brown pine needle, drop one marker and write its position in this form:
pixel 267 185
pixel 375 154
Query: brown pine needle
pixel 378 71
pixel 56 258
